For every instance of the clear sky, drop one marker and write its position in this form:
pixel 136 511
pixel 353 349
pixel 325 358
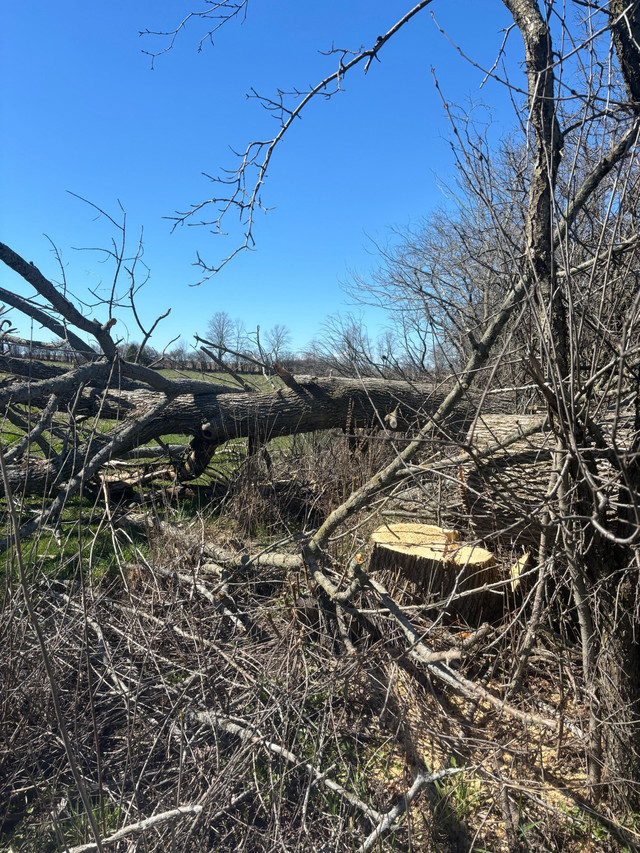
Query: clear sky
pixel 83 111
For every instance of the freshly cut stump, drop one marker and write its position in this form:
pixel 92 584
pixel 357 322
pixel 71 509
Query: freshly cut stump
pixel 426 563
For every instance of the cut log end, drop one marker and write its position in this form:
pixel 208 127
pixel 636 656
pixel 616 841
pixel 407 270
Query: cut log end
pixel 429 564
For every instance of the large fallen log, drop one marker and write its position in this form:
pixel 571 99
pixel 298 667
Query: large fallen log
pixel 209 413
pixel 504 495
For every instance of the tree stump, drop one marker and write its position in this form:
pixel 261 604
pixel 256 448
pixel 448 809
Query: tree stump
pixel 423 563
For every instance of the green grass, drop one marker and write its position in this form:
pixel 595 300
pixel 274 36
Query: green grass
pixel 69 829
pixel 460 794
pixel 81 543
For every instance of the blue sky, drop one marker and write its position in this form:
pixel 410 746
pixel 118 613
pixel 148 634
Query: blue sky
pixel 84 112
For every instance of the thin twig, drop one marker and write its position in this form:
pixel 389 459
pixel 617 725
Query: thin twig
pixel 140 826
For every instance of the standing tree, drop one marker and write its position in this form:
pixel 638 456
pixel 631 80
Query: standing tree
pixel 278 340
pixel 347 349
pixel 221 333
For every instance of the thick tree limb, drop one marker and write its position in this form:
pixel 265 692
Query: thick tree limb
pixel 625 29
pixel 16 451
pixel 315 404
pixel 29 368
pixel 59 303
pixel 83 466
pixel 593 180
pixel 30 310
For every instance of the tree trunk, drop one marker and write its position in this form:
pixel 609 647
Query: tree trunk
pixel 213 418
pixel 618 686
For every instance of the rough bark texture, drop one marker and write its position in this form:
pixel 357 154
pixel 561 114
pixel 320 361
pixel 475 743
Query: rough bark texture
pixel 539 59
pixel 625 28
pixel 504 494
pixel 210 416
pixel 619 688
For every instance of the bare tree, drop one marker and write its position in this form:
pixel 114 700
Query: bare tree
pixel 179 354
pixel 278 340
pixel 346 348
pixel 221 333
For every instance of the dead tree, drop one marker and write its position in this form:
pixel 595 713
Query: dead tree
pixel 79 418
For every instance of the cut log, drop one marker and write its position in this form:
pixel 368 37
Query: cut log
pixel 504 495
pixel 423 563
pixel 517 572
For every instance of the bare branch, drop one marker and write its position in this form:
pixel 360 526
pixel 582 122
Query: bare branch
pixel 138 827
pixel 245 198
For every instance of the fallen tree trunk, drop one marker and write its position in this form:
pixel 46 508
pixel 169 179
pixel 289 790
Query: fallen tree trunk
pixel 209 414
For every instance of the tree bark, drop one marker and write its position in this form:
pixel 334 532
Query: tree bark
pixel 619 686
pixel 212 417
pixel 625 29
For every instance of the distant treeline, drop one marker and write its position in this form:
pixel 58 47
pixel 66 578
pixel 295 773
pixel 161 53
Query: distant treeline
pixel 334 357
pixel 172 361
